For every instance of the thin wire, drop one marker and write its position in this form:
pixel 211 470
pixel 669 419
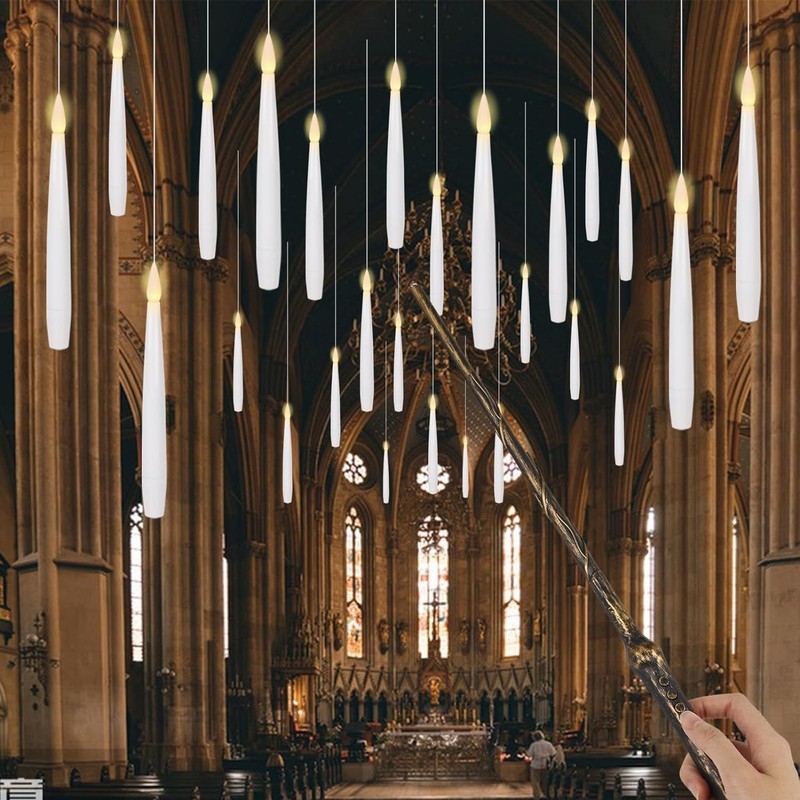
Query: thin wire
pixel 287 323
pixel 626 68
pixel 437 85
pixel 433 362
pixel 748 32
pixel 558 67
pixel 208 29
pixel 619 320
pixel 335 257
pixel 366 157
pixel 465 390
pixel 395 30
pixel 154 125
pixel 58 47
pixel 525 176
pixel 385 399
pixel 681 12
pixel 574 223
pixel 268 16
pixel 484 46
pixel 238 268
pixel 117 14
pixel 592 49
pixel 499 265
pixel 315 56
pixel 397 252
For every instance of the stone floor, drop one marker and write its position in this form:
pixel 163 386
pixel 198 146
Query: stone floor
pixel 430 790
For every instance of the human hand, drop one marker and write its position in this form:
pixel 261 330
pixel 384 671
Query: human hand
pixel 760 767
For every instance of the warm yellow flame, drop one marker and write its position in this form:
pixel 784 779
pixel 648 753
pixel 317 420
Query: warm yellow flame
pixel 526 271
pixel 287 411
pixel 313 128
pixel 116 47
pixel 432 402
pixel 574 308
pixel 681 200
pixel 558 151
pixel 366 281
pixel 394 81
pixel 268 56
pixel 335 355
pixel 237 319
pixel 591 113
pixel 748 88
pixel 385 445
pixel 484 121
pixel 58 119
pixel 153 285
pixel 208 89
pixel 398 320
pixel 625 152
pixel 465 440
pixel 437 185
pixel 619 373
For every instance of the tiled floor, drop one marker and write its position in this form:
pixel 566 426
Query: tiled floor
pixel 430 790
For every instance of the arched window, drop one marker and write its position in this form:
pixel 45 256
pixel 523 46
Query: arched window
pixel 442 478
pixel 354 586
pixel 433 583
pixel 649 577
pixel 511 470
pixel 511 587
pixel 135 526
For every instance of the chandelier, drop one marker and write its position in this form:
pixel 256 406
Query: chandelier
pixel 411 263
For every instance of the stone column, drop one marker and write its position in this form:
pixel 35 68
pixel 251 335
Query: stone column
pixel 774 623
pixel 69 523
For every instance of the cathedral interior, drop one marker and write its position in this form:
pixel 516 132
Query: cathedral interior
pixel 236 623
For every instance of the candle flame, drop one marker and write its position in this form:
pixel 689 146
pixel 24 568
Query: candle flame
pixel 386 445
pixel 335 355
pixel 432 402
pixel 116 47
pixel 287 411
pixel 366 281
pixel 237 319
pixel 748 88
pixel 313 129
pixel 574 308
pixel 58 120
pixel 526 271
pixel 681 200
pixel 437 185
pixel 592 111
pixel 208 89
pixel 619 373
pixel 484 121
pixel 268 62
pixel 625 152
pixel 394 81
pixel 153 285
pixel 558 151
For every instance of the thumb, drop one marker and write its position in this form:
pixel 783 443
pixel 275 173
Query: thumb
pixel 715 744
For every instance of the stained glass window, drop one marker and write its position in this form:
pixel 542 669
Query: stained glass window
pixel 443 478
pixel 135 525
pixel 510 469
pixel 354 469
pixel 354 588
pixel 511 587
pixel 433 583
pixel 649 577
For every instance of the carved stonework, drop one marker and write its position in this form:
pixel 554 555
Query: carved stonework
pixel 705 246
pixel 464 635
pixel 338 631
pixel 736 340
pixel 482 635
pixel 707 410
pixel 130 334
pixel 6 85
pixel 659 267
pixel 527 629
pixel 401 635
pixel 621 546
pixel 383 636
pixel 734 471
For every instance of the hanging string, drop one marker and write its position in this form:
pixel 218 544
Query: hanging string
pixel 465 390
pixel 268 16
pixel 153 137
pixel 619 319
pixel 315 56
pixel 574 224
pixel 500 267
pixel 366 158
pixel 626 68
pixel 681 12
pixel 437 85
pixel 397 273
pixel 58 47
pixel 433 363
pixel 592 49
pixel 238 268
pixel 748 32
pixel 208 5
pixel 117 14
pixel 558 67
pixel 484 46
pixel 395 30
pixel 287 323
pixel 385 396
pixel 525 178
pixel 335 257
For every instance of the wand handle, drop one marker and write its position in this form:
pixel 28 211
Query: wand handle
pixel 644 656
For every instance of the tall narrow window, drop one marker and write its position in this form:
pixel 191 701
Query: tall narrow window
pixel 511 588
pixel 649 577
pixel 433 584
pixel 226 605
pixel 135 522
pixel 354 589
pixel 734 580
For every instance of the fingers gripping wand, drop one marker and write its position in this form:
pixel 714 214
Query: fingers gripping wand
pixel 645 657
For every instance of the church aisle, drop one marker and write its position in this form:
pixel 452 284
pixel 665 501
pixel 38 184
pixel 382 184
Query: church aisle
pixel 431 790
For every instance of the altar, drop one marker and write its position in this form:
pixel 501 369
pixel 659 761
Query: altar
pixel 433 752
